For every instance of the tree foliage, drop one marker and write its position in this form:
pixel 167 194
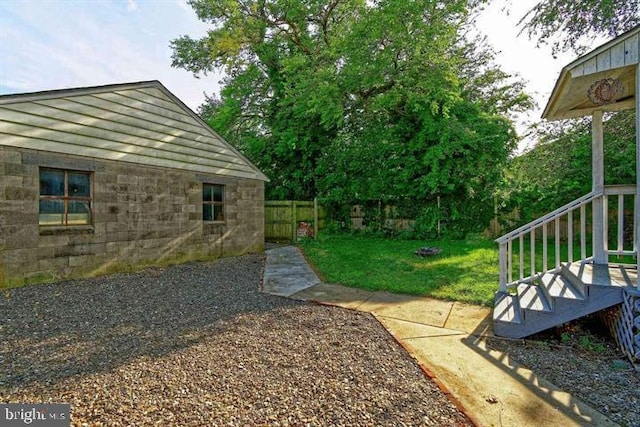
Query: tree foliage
pixel 558 169
pixel 359 100
pixel 567 24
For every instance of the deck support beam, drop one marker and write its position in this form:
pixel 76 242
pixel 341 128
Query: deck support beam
pixel 597 174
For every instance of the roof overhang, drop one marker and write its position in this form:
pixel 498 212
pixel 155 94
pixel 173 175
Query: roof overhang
pixel 94 90
pixel 603 79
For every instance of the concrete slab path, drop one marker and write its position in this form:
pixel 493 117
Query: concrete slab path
pixel 448 339
pixel 287 272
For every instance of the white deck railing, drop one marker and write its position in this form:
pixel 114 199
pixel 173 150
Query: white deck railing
pixel 512 269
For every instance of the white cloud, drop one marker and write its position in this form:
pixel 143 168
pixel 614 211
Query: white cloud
pixel 132 6
pixel 58 43
pixel 61 44
pixel 184 5
pixel 22 85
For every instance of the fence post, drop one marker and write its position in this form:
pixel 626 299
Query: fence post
pixel 294 221
pixel 315 217
pixel 439 216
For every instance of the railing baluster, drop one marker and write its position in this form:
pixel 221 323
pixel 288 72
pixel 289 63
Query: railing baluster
pixel 605 225
pixel 521 260
pixel 598 199
pixel 620 222
pixel 545 245
pixel 510 262
pixel 557 231
pixel 583 232
pixel 570 236
pixel 635 230
pixel 532 236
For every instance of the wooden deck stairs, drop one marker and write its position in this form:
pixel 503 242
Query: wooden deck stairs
pixel 559 268
pixel 552 298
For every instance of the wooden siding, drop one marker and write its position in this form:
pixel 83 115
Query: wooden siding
pixel 616 59
pixel 621 54
pixel 576 101
pixel 139 124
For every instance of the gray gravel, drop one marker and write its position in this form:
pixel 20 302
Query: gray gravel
pixel 197 344
pixel 587 366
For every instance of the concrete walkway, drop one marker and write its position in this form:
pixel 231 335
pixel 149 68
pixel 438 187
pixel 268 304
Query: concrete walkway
pixel 448 341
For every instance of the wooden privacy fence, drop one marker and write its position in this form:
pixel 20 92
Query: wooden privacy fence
pixel 287 220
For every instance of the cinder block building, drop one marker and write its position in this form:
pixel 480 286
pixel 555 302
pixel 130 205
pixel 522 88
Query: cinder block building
pixel 117 178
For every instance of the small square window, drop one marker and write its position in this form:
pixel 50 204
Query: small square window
pixel 65 197
pixel 212 202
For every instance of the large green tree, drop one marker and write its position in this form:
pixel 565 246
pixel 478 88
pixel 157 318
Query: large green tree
pixel 357 100
pixel 281 102
pixel 571 24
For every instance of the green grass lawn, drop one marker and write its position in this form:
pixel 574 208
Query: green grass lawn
pixel 466 270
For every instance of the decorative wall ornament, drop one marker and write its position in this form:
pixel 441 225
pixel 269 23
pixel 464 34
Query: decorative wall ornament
pixel 605 91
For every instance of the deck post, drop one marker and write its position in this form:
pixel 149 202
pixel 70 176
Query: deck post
pixel 597 174
pixel 502 259
pixel 636 222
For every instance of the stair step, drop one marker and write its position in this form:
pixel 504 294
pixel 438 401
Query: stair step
pixel 556 298
pixel 558 286
pixel 599 275
pixel 532 298
pixel 507 308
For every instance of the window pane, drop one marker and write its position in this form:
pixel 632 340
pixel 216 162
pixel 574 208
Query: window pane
pixel 218 214
pixel 79 212
pixel 51 212
pixel 207 213
pixel 206 193
pixel 78 206
pixel 51 183
pixel 79 185
pixel 217 193
pixel 51 206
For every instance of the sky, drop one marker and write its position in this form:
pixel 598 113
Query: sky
pixel 56 44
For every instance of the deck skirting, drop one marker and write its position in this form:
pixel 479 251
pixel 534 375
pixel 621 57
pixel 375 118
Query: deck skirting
pixel 623 322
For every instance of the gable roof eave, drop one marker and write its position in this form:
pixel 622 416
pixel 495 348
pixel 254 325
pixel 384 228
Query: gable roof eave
pixel 59 93
pixel 261 176
pixel 576 69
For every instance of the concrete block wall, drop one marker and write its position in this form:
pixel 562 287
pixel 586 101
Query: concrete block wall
pixel 142 216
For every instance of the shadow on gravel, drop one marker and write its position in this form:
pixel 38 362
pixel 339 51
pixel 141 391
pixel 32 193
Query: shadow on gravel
pixel 496 351
pixel 75 328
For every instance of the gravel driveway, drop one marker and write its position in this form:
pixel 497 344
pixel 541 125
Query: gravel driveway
pixel 197 344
